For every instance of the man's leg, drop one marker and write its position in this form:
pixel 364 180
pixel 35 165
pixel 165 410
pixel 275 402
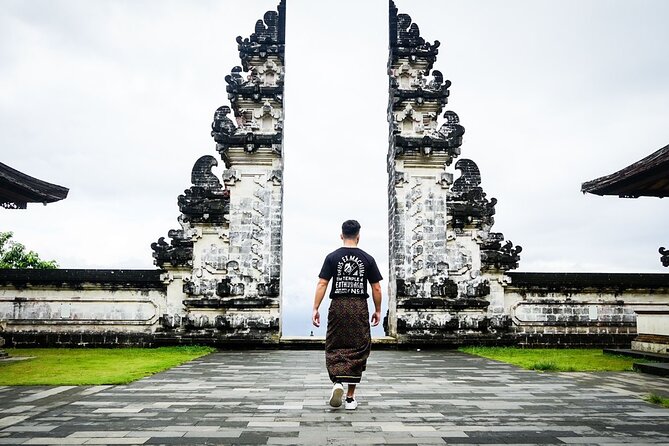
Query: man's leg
pixel 351 403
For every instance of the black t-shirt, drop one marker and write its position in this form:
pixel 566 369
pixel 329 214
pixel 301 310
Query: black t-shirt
pixel 351 269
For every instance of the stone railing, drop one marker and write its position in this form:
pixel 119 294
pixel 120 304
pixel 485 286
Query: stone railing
pixel 581 309
pixel 79 307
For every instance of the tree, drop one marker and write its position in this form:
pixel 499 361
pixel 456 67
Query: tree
pixel 13 255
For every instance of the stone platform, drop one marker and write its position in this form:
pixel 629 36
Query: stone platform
pixel 278 397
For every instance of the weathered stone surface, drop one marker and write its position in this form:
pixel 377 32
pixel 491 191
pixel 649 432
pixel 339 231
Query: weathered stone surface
pixel 227 256
pixel 580 309
pixel 442 254
pixel 498 256
pixel 80 307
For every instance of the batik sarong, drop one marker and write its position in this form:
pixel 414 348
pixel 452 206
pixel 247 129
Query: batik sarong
pixel 348 340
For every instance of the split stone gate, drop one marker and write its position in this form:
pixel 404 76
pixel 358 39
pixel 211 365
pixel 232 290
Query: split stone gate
pixel 220 271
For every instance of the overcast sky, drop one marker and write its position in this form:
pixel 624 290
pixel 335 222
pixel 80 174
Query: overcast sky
pixel 114 99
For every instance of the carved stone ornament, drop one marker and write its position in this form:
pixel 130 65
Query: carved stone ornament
pixel 410 135
pixel 445 179
pixel 255 87
pixel 665 257
pixel 231 176
pixel 275 176
pixel 407 112
pixel 406 42
pixel 206 201
pixel 201 174
pixel 222 124
pixel 179 252
pixel 438 227
pixel 170 321
pixel 469 179
pixel 451 131
pixel 268 38
pixel 262 56
pixel 250 141
pixel 498 256
pixel 225 288
pixel 444 288
pixel 265 117
pixel 400 179
pixel 270 73
pixel 269 289
pixel 412 85
pixel 226 274
pixel 468 204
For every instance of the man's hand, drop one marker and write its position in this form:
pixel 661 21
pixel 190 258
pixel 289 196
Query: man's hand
pixel 318 298
pixel 376 318
pixel 376 296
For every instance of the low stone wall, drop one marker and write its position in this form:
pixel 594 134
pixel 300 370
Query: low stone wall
pixel 115 308
pixel 540 310
pixel 580 309
pixel 80 307
pixel 87 308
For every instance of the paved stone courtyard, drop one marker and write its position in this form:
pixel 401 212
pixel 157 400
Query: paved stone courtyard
pixel 278 397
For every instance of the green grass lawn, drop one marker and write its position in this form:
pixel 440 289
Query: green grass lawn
pixel 91 366
pixel 556 360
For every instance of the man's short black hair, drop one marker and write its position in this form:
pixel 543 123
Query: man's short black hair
pixel 350 228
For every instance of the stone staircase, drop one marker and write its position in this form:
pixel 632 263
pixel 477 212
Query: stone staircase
pixel 659 367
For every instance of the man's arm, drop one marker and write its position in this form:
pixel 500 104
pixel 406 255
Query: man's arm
pixel 321 287
pixel 376 295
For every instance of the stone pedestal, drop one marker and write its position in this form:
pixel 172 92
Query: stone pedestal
pixel 652 331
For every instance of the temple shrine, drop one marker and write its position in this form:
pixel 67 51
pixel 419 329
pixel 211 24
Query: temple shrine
pixel 218 275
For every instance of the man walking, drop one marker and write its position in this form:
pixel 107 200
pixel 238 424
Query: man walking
pixel 348 340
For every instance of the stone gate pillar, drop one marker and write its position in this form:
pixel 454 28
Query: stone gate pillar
pixel 223 267
pixel 440 240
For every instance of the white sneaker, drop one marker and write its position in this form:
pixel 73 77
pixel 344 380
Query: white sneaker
pixel 351 405
pixel 336 395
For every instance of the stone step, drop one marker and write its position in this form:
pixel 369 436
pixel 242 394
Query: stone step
pixel 659 369
pixel 659 357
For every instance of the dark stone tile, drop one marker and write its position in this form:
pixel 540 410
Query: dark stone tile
pixel 488 401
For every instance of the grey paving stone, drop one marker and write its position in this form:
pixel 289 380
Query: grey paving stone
pixel 406 397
